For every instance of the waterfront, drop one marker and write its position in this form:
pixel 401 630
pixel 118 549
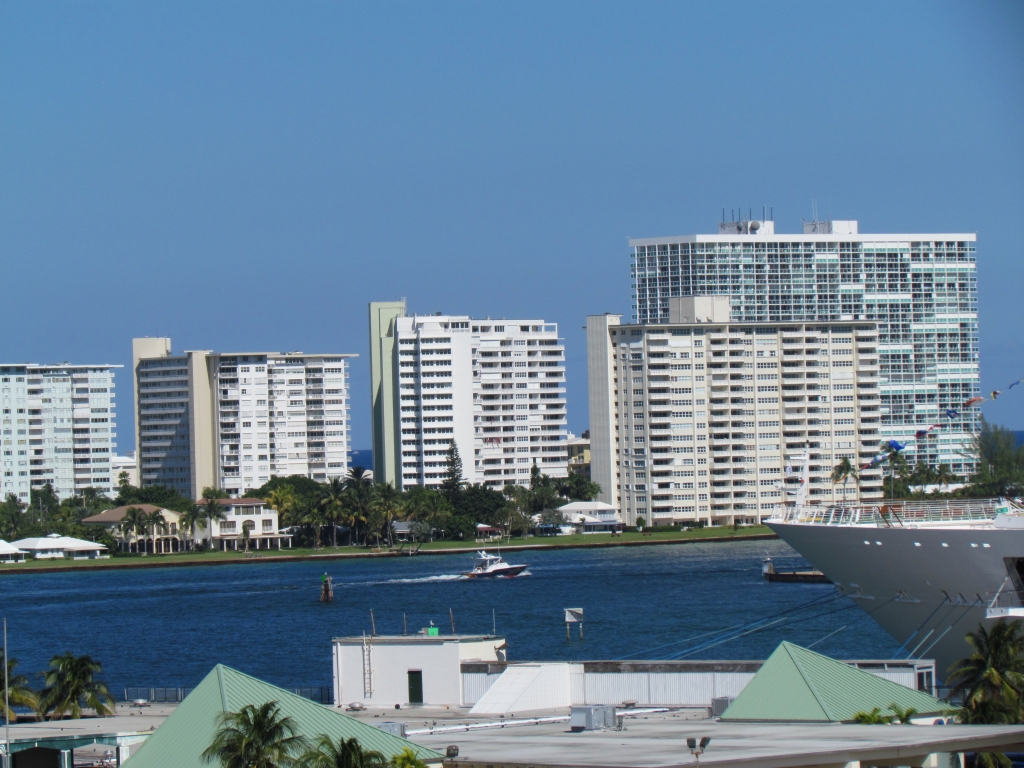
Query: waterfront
pixel 168 627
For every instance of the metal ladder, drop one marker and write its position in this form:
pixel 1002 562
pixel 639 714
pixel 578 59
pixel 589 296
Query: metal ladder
pixel 367 666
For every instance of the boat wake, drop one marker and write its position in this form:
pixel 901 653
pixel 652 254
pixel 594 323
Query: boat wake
pixel 420 580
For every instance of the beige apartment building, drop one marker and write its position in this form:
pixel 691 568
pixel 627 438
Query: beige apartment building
pixel 701 419
pixel 234 420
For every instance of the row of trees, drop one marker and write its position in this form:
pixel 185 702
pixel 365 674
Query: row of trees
pixel 315 512
pixel 69 688
pixel 999 460
pixel 367 510
pixel 261 736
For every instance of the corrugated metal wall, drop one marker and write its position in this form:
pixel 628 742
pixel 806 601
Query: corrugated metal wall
pixel 676 689
pixel 679 689
pixel 475 684
pixel 686 689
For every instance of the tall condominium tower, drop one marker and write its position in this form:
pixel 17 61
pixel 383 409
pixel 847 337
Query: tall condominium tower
pixel 495 387
pixel 234 420
pixel 58 428
pixel 919 289
pixel 698 420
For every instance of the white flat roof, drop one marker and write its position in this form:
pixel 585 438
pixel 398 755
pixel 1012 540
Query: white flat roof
pixel 587 506
pixel 653 740
pixel 400 639
pixel 55 541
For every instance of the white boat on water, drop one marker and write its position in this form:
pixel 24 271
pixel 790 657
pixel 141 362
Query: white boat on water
pixel 486 566
pixel 927 571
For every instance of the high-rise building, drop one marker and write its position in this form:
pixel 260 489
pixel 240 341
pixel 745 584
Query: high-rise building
pixel 699 420
pixel 919 289
pixel 58 426
pixel 234 420
pixel 494 387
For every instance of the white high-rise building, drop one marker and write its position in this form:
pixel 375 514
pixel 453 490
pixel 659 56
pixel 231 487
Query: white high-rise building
pixel 234 420
pixel 58 426
pixel 697 420
pixel 919 289
pixel 495 387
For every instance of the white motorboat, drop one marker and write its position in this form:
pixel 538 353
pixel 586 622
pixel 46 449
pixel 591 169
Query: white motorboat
pixel 487 566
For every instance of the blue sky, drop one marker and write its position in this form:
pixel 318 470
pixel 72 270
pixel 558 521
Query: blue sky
pixel 250 175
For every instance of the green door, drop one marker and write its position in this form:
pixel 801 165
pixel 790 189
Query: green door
pixel 415 686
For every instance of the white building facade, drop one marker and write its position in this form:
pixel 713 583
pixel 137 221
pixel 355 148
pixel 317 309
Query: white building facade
pixel 920 290
pixel 698 421
pixel 58 427
pixel 495 387
pixel 233 420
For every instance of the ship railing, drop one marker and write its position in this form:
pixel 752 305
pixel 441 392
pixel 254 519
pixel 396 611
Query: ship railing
pixel 1006 602
pixel 898 513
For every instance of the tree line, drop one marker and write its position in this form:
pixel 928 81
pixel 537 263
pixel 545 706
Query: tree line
pixel 999 470
pixel 365 511
pixel 314 512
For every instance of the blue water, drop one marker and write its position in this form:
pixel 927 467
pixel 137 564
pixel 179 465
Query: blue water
pixel 168 627
pixel 363 458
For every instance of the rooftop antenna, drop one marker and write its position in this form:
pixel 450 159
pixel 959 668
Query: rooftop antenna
pixel 771 210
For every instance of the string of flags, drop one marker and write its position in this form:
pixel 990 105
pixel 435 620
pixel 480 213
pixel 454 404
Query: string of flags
pixel 922 434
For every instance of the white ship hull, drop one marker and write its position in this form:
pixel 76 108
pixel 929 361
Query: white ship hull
pixel 927 585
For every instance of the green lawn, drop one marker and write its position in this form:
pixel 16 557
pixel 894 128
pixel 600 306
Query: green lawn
pixel 190 558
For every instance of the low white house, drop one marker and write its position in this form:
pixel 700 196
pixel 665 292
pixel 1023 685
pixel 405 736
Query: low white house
pixel 592 516
pixel 55 546
pixel 10 553
pixel 384 670
pixel 241 515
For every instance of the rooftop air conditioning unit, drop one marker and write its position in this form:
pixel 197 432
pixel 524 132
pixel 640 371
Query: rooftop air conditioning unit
pixel 395 729
pixel 591 717
pixel 719 705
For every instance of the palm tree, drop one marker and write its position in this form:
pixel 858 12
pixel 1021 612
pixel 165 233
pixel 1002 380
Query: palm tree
pixel 898 468
pixel 992 677
pixel 905 716
pixel 257 736
pixel 156 524
pixel 133 523
pixel 387 503
pixel 213 511
pixel 842 472
pixel 874 717
pixel 407 758
pixel 333 502
pixel 283 500
pixel 346 753
pixel 358 486
pixel 190 518
pixel 71 687
pixel 314 516
pixel 944 476
pixel 18 693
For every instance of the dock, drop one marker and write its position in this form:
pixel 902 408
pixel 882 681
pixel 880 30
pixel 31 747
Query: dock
pixel 791 577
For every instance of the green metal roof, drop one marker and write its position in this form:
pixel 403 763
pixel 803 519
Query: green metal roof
pixel 189 730
pixel 798 685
